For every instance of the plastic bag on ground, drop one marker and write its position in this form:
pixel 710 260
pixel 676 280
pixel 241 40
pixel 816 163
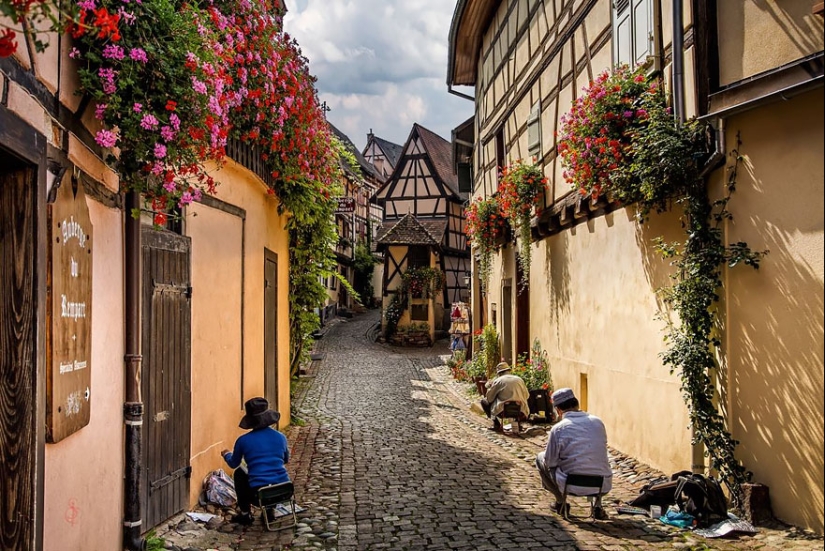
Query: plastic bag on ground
pixel 219 489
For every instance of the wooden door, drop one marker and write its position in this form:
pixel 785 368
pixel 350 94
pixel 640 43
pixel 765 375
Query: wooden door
pixel 271 328
pixel 18 355
pixel 507 321
pixel 166 382
pixel 522 316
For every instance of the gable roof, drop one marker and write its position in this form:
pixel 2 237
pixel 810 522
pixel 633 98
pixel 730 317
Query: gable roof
pixel 410 230
pixel 391 150
pixel 441 155
pixel 367 168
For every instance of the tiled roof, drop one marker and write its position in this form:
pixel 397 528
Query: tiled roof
pixel 410 230
pixel 367 167
pixel 391 150
pixel 441 155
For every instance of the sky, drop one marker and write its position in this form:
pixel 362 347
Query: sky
pixel 380 64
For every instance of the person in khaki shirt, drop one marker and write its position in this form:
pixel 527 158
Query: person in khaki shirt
pixel 506 387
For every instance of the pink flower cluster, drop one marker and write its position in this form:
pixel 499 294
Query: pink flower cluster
pixel 595 137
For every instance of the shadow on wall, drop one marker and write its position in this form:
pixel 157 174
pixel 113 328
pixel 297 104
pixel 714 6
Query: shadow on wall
pixel 793 18
pixel 557 267
pixel 658 270
pixel 777 382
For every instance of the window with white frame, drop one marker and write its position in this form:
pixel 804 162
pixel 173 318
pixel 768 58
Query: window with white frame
pixel 632 31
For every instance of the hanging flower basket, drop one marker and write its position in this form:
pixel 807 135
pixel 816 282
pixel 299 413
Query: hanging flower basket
pixel 519 191
pixel 486 227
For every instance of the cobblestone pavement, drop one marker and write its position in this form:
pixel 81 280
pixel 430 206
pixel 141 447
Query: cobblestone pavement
pixel 391 456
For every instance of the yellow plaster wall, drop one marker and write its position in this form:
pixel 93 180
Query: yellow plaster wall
pixel 775 315
pixel 217 398
pixel 77 513
pixel 759 36
pixel 594 309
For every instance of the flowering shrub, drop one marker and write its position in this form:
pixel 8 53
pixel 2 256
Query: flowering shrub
pixel 422 282
pixel 596 134
pixel 620 138
pixel 161 101
pixel 519 190
pixel 485 225
pixel 535 370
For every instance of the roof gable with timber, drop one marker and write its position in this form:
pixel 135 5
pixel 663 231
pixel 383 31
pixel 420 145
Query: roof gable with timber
pixel 439 152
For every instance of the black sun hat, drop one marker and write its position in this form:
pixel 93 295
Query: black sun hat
pixel 258 414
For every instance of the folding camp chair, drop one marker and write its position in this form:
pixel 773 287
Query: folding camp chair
pixel 269 497
pixel 582 481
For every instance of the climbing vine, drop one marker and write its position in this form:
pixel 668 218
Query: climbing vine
pixel 692 343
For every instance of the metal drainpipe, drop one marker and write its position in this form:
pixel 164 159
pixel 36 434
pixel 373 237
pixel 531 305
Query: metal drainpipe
pixel 133 406
pixel 678 62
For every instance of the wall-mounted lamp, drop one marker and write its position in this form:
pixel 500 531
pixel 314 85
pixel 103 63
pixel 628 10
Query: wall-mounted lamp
pixel 468 278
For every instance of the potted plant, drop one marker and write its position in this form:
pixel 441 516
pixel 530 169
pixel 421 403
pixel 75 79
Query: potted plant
pixel 486 225
pixel 535 372
pixel 519 191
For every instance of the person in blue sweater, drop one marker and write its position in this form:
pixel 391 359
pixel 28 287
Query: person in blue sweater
pixel 265 452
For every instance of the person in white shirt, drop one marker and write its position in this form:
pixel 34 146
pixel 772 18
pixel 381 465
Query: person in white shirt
pixel 506 387
pixel 577 444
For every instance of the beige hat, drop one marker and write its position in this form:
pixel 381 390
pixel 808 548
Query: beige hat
pixel 502 367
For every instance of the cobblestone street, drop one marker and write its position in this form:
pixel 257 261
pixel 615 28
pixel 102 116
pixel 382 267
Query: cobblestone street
pixel 390 456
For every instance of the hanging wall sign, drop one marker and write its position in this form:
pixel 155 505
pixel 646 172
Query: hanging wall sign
pixel 69 381
pixel 346 205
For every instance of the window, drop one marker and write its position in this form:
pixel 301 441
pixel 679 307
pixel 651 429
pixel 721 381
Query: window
pixel 418 257
pixel 499 154
pixel 632 31
pixel 465 177
pixel 534 130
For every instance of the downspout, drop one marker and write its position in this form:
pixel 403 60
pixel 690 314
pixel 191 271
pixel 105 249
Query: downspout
pixel 677 49
pixel 459 94
pixel 716 159
pixel 133 406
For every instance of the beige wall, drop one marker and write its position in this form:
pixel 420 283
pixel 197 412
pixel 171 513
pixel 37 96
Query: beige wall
pixel 775 315
pixel 778 32
pixel 78 513
pixel 217 398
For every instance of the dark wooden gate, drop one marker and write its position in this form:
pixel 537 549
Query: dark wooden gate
pixel 166 382
pixel 522 316
pixel 271 328
pixel 18 354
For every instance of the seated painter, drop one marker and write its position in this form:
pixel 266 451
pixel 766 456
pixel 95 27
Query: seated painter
pixel 506 387
pixel 265 452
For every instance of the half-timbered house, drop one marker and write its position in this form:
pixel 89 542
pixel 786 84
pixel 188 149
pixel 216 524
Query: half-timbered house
pixel 383 154
pixel 424 207
pixel 357 219
pixel 754 71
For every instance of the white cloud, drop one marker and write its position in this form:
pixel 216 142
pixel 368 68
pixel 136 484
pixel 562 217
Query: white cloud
pixel 381 64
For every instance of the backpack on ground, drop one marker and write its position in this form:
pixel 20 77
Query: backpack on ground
pixel 703 498
pixel 661 492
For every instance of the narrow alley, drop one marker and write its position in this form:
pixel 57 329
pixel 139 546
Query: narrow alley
pixel 389 456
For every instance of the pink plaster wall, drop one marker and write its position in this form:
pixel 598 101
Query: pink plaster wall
pixel 83 507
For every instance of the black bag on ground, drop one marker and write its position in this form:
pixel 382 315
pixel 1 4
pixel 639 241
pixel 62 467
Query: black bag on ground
pixel 702 497
pixel 661 492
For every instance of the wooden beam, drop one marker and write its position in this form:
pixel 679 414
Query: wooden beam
pixel 819 8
